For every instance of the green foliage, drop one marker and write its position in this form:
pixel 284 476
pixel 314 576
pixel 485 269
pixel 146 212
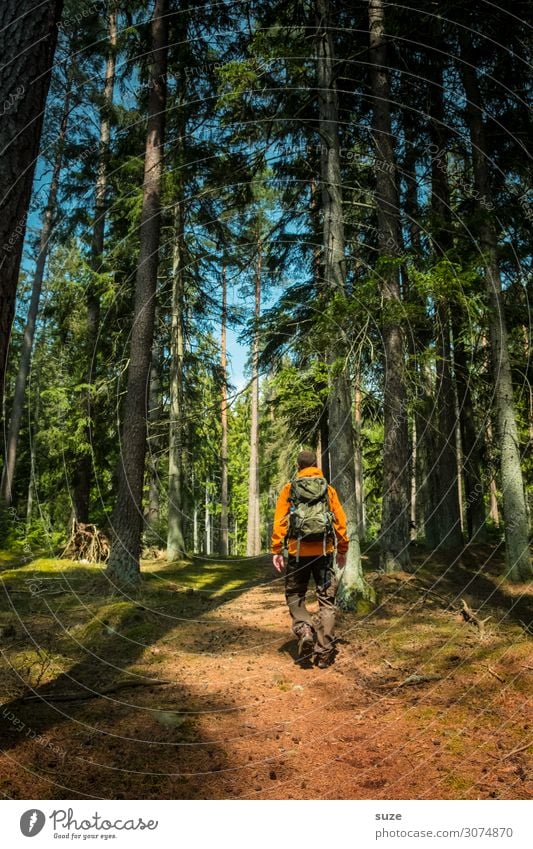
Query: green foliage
pixel 298 397
pixel 450 282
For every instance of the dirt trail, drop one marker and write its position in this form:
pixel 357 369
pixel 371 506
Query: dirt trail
pixel 243 718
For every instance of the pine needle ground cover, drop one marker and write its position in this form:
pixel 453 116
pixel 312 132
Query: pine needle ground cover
pixel 191 687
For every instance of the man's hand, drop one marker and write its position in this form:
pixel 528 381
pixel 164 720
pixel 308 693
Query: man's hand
pixel 278 562
pixel 341 561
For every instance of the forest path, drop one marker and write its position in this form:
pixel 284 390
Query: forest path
pixel 241 717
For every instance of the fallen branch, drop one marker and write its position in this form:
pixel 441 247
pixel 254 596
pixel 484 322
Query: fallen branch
pixel 517 750
pixel 469 616
pixel 39 593
pixel 492 672
pixel 91 694
pixel 427 591
pixel 419 679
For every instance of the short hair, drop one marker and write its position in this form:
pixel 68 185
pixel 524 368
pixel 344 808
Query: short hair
pixel 305 459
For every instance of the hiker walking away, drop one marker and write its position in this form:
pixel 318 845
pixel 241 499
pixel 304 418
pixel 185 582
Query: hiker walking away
pixel 310 521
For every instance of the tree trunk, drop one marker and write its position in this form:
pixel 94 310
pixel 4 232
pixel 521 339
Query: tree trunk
pixel 100 205
pixel 8 472
pixel 419 340
pixel 208 548
pixel 253 536
pixel 443 517
pixel 32 481
pixel 340 436
pixel 353 585
pixel 316 238
pixel 84 471
pixel 414 461
pixel 358 457
pixel 176 546
pixel 396 482
pixel 224 550
pixel 513 496
pixel 29 33
pixel 459 456
pixel 154 418
pixel 426 451
pixel 528 356
pixel 471 437
pixel 324 444
pixel 123 565
pixel 31 487
pixel 195 529
pixel 175 539
pixel 494 512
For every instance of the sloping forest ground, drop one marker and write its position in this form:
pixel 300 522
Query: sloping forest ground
pixel 237 715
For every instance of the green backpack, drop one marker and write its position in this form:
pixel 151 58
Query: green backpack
pixel 310 517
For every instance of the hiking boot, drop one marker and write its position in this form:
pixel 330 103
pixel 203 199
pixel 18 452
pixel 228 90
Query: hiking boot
pixel 306 639
pixel 325 660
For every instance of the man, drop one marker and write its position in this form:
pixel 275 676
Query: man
pixel 310 553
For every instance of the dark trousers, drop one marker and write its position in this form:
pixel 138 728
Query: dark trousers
pixel 297 578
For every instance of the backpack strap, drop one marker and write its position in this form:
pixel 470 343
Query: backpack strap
pixel 293 501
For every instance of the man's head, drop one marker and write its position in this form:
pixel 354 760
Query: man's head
pixel 305 459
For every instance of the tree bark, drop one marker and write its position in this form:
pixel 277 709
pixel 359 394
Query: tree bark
pixel 358 458
pixel 494 512
pixel 224 549
pixel 28 41
pixel 8 472
pixel 317 238
pixel 123 565
pixel 84 470
pixel 459 456
pixel 208 524
pixel 253 535
pixel 518 556
pixel 176 545
pixel 175 538
pixel 340 435
pixel 395 534
pixel 324 443
pixel 419 340
pixel 32 480
pixel 154 418
pixel 414 461
pixel 195 529
pixel 448 513
pixel 471 437
pixel 100 202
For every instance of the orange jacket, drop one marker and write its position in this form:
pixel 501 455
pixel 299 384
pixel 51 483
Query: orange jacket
pixel 308 548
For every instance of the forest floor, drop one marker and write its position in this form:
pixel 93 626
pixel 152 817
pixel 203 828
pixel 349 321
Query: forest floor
pixel 238 716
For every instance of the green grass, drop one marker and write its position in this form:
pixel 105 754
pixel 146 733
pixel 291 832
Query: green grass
pixel 213 576
pixel 459 785
pixel 68 610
